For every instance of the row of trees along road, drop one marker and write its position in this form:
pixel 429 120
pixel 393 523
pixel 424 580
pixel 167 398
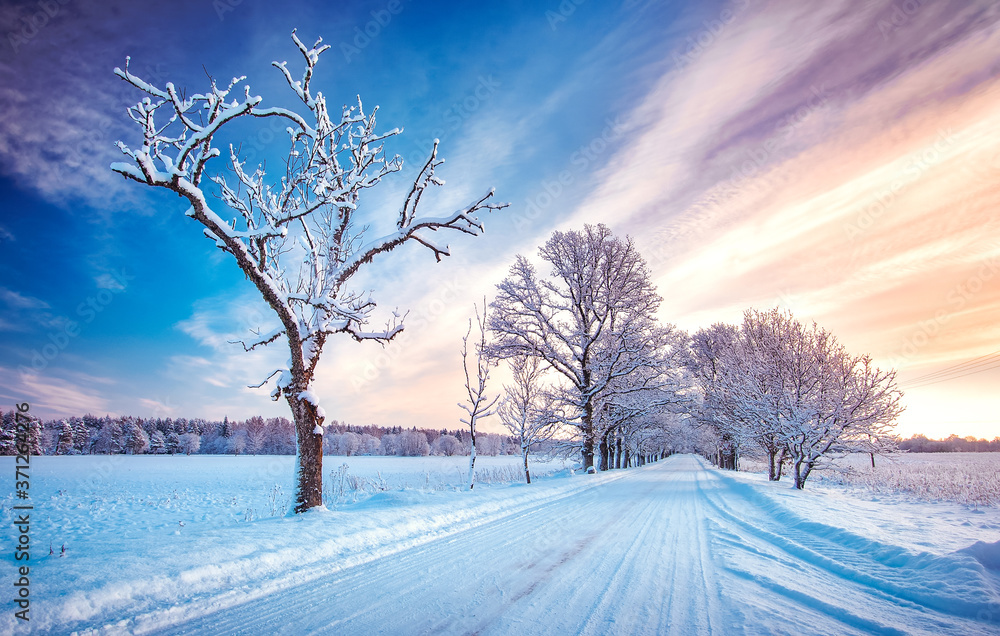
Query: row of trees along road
pixel 792 391
pixel 592 323
pixel 301 238
pixel 588 354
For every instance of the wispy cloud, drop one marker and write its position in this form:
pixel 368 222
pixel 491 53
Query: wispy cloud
pixel 26 313
pixel 16 300
pixel 63 108
pixel 55 397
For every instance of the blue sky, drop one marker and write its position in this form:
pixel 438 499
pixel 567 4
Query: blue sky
pixel 747 146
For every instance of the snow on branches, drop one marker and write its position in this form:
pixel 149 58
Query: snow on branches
pixel 478 404
pixel 593 322
pixel 298 235
pixel 793 391
pixel 526 409
pixel 299 238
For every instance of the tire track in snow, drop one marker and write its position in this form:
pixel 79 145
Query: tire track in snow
pixel 384 580
pixel 208 603
pixel 617 567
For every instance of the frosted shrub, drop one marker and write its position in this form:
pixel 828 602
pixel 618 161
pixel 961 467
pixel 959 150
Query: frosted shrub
pixel 343 487
pixel 499 474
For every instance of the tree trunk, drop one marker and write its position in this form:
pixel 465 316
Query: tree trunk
pixel 873 459
pixel 472 454
pixel 781 463
pixel 587 452
pixel 309 458
pixel 618 451
pixel 524 456
pixel 604 451
pixel 802 470
pixel 772 474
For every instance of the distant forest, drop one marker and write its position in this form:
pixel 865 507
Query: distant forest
pixel 93 435
pixel 952 444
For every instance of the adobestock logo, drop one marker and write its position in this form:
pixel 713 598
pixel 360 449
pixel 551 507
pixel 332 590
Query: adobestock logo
pixel 87 311
pixel 697 44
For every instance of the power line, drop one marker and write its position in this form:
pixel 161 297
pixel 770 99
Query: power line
pixel 970 371
pixel 962 366
pixel 954 376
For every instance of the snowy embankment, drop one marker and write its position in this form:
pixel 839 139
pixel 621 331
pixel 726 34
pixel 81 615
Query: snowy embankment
pixel 674 547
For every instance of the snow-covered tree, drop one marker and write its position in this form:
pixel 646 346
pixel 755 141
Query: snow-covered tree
pixel 64 445
pixel 35 437
pixel 413 444
pixel 236 443
pixel 281 436
pixel 526 410
pixel 798 395
pixel 174 443
pixel 369 445
pixel 157 443
pixel 477 404
pixel 592 321
pixel 837 402
pixel 8 433
pixel 490 444
pixel 256 434
pixel 630 411
pixel 82 433
pixel 711 348
pixel 188 443
pixel 389 444
pixel 298 239
pixel 110 439
pixel 347 444
pixel 136 441
pixel 447 445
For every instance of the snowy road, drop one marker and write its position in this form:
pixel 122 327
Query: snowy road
pixel 672 548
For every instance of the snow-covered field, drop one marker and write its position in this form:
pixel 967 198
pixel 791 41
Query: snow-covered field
pixel 967 478
pixel 200 545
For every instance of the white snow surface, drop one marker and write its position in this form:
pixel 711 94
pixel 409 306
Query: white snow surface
pixel 202 545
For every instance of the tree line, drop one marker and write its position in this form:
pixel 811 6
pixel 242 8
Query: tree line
pixel 129 435
pixel 951 444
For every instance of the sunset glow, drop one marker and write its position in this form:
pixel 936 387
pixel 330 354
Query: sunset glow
pixel 841 160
